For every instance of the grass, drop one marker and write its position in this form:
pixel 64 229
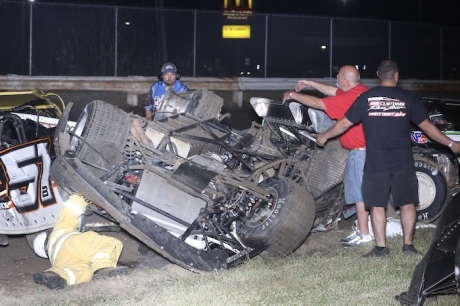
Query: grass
pixel 330 276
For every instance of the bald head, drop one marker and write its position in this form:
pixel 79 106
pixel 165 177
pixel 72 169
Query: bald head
pixel 348 77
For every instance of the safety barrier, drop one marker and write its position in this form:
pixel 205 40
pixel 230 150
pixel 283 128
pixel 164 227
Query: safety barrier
pixel 135 85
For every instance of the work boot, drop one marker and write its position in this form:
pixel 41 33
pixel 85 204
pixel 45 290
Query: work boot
pixel 111 272
pixel 50 279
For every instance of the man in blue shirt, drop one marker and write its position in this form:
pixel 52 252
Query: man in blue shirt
pixel 168 79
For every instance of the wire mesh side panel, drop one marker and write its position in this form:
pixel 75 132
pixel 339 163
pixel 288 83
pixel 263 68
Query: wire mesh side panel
pixel 73 40
pixel 298 46
pixel 14 38
pixel 417 49
pixel 451 51
pixel 363 44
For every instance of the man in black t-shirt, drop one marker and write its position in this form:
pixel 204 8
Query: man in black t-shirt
pixel 386 112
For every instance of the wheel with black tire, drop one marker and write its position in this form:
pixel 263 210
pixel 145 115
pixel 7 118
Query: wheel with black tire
pixel 432 191
pixel 100 136
pixel 280 227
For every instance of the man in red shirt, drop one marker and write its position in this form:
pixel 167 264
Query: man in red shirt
pixel 339 99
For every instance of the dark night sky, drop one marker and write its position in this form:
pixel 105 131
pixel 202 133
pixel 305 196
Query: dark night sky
pixel 441 12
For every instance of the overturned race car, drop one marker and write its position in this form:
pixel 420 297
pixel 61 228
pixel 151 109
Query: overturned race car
pixel 199 193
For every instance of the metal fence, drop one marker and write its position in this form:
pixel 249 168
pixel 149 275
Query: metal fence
pixel 43 39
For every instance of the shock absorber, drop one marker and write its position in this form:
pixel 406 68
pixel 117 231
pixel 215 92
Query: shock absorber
pixel 235 214
pixel 130 156
pixel 130 159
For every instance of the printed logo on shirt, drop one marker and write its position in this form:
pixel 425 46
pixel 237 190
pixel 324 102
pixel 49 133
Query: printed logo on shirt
pixel 386 107
pixel 418 137
pixel 157 100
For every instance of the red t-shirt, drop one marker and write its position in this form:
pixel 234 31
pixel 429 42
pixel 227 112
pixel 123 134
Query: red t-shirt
pixel 337 106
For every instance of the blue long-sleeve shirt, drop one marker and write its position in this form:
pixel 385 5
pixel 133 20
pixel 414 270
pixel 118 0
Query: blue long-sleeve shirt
pixel 157 91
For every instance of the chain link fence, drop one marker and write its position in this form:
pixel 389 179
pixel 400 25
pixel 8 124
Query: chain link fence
pixel 43 39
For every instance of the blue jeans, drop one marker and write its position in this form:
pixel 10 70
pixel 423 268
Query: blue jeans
pixel 354 176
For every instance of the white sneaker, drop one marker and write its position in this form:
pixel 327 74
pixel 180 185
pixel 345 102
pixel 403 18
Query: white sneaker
pixel 352 236
pixel 358 241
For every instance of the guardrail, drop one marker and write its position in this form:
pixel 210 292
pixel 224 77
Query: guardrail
pixel 136 85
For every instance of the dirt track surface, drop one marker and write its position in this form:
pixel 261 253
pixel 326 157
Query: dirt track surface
pixel 19 262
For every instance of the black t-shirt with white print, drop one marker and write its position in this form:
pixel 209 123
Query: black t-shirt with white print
pixel 386 114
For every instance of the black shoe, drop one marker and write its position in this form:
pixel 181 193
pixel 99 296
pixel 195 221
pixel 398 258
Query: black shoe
pixel 50 279
pixel 410 249
pixel 409 298
pixel 378 253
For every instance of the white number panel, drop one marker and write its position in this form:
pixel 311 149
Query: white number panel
pixel 29 199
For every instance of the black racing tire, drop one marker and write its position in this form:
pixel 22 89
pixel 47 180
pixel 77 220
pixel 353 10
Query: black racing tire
pixel 103 130
pixel 279 230
pixel 205 104
pixel 432 191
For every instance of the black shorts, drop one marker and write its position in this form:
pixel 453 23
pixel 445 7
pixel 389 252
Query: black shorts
pixel 377 187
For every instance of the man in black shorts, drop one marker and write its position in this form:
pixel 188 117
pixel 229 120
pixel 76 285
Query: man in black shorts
pixel 386 112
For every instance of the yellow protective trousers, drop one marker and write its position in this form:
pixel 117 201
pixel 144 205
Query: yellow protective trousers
pixel 75 256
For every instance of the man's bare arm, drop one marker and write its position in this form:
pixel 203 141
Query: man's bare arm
pixel 328 90
pixel 339 128
pixel 148 115
pixel 304 99
pixel 435 134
